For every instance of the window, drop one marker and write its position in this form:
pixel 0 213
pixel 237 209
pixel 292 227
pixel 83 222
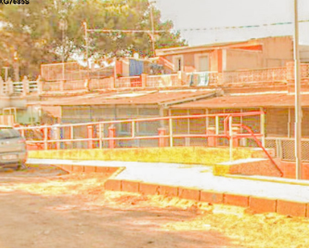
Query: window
pixel 201 62
pixel 178 62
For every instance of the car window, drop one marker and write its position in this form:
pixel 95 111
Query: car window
pixel 8 133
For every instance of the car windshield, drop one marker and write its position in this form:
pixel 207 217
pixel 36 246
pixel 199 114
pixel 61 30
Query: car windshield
pixel 8 133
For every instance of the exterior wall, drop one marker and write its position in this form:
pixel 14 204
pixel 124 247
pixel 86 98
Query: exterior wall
pixel 189 60
pixel 277 120
pixel 276 51
pixel 214 59
pixel 304 53
pixel 242 59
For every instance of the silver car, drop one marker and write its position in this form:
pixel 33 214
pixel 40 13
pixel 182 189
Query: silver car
pixel 13 149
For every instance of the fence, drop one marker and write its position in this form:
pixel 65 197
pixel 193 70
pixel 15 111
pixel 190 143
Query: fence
pixel 23 87
pixel 199 79
pixel 284 148
pixel 254 76
pixel 72 71
pixel 149 132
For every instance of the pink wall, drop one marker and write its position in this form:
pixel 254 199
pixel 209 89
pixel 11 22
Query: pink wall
pixel 276 51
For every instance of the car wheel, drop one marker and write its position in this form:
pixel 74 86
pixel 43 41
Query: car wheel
pixel 21 166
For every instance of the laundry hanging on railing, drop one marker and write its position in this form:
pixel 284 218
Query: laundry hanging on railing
pixel 199 79
pixel 203 79
pixel 136 67
pixel 166 80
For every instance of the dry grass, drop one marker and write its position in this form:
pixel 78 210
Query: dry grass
pixel 184 155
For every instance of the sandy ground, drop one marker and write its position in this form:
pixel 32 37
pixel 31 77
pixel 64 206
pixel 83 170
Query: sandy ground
pixel 44 207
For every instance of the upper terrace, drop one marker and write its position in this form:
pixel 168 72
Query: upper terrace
pixel 96 80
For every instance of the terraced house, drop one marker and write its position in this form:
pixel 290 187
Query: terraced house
pixel 235 77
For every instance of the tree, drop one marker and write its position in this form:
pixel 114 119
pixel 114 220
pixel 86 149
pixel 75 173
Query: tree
pixel 31 35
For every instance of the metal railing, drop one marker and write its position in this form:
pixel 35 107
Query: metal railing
pixel 19 88
pixel 253 76
pixel 128 82
pixel 284 148
pixel 209 78
pixel 203 79
pixel 144 132
pixel 166 80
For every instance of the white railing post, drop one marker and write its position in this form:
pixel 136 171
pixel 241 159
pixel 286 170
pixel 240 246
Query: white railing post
pixel 231 138
pixel 100 135
pixel 263 127
pixel 133 129
pixel 1 86
pixel 45 137
pixel 72 135
pixel 171 131
pixel 217 125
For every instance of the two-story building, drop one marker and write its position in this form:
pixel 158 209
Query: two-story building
pixel 229 56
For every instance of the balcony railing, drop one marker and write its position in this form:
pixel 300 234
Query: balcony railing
pixel 24 87
pixel 253 76
pixel 197 79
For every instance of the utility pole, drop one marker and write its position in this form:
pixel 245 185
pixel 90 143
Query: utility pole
pixel 153 29
pixel 87 48
pixel 298 110
pixel 63 25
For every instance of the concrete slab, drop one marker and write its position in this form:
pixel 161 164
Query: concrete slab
pixel 197 176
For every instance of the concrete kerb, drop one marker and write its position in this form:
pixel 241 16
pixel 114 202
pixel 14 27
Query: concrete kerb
pixel 254 204
pixel 257 204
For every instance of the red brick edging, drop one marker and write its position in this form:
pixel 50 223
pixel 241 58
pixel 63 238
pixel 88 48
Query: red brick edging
pixel 107 171
pixel 256 204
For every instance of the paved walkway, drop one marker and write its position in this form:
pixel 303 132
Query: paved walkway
pixel 198 176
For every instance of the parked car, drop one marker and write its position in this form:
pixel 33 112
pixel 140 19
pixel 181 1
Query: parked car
pixel 13 149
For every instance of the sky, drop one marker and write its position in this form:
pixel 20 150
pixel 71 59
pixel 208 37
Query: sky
pixel 206 14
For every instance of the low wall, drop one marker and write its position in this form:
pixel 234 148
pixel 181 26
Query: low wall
pixel 185 155
pixel 289 170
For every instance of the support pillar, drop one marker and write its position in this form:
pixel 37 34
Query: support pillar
pixel 45 137
pixel 162 139
pixel 211 141
pixel 90 136
pixel 144 80
pixel 112 134
pixel 1 87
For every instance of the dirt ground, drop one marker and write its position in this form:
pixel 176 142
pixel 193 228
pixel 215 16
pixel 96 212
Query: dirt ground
pixel 44 207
